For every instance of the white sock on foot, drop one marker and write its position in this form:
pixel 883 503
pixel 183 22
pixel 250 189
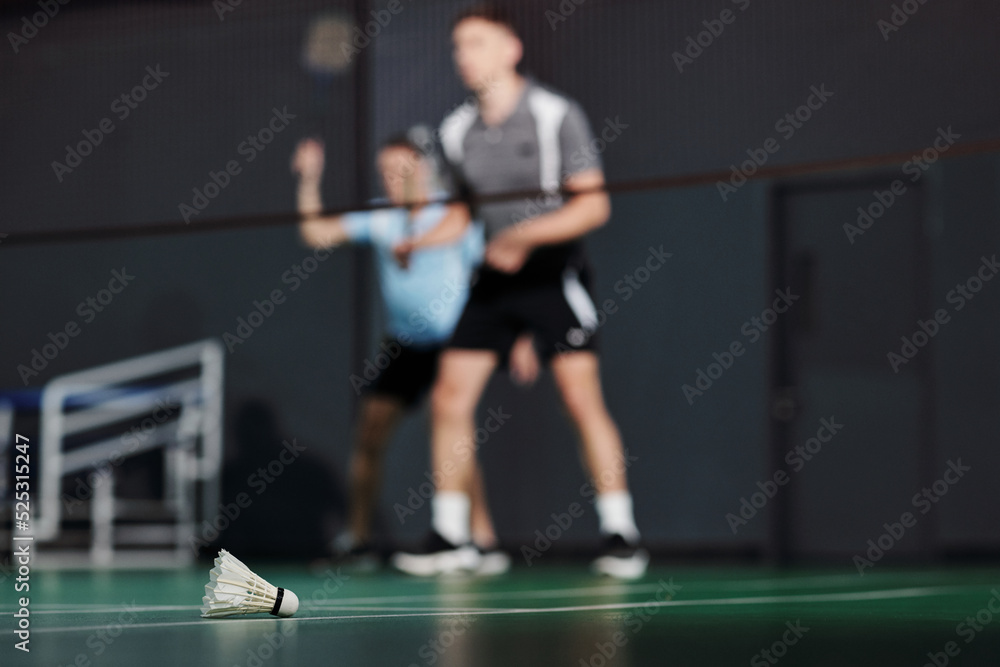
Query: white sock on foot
pixel 450 518
pixel 614 512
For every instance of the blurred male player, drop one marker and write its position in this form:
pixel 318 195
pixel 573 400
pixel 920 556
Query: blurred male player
pixel 438 275
pixel 519 136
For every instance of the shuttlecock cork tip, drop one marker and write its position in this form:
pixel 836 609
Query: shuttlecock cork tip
pixel 286 603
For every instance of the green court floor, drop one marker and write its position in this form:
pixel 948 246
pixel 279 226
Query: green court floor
pixel 545 615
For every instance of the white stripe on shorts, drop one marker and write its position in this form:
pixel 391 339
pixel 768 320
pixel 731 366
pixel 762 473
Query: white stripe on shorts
pixel 579 301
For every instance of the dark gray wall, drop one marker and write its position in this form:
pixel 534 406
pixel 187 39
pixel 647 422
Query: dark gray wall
pixel 963 228
pixel 616 58
pixel 694 461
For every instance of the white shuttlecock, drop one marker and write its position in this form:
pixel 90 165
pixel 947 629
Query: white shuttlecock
pixel 234 590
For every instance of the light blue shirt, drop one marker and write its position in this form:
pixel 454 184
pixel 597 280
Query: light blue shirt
pixel 423 302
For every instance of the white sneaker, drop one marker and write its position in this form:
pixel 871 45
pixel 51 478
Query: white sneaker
pixel 438 556
pixel 621 560
pixel 493 562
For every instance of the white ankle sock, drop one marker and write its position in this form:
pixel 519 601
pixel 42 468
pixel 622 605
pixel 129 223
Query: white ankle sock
pixel 614 512
pixel 450 516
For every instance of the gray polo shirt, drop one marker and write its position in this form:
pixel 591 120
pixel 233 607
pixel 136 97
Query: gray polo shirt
pixel 544 140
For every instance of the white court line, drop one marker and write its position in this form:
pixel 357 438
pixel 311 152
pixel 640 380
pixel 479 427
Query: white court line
pixel 892 594
pixel 442 596
pixel 613 589
pixel 616 589
pixel 110 609
pixel 789 581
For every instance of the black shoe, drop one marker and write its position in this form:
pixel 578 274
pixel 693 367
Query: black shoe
pixel 437 556
pixel 620 559
pixel 362 557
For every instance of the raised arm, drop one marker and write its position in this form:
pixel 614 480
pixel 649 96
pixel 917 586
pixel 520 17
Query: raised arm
pixel 317 230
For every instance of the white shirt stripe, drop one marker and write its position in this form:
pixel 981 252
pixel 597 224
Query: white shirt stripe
pixel 549 111
pixel 453 131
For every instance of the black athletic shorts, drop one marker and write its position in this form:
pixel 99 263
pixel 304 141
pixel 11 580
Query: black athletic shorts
pixel 409 376
pixel 559 311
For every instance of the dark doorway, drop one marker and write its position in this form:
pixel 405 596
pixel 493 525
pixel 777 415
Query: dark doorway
pixel 851 428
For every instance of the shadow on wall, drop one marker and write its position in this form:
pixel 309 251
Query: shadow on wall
pixel 278 498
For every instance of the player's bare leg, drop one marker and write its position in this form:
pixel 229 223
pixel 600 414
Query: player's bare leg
pixel 462 377
pixel 483 532
pixel 377 421
pixel 484 536
pixel 577 375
